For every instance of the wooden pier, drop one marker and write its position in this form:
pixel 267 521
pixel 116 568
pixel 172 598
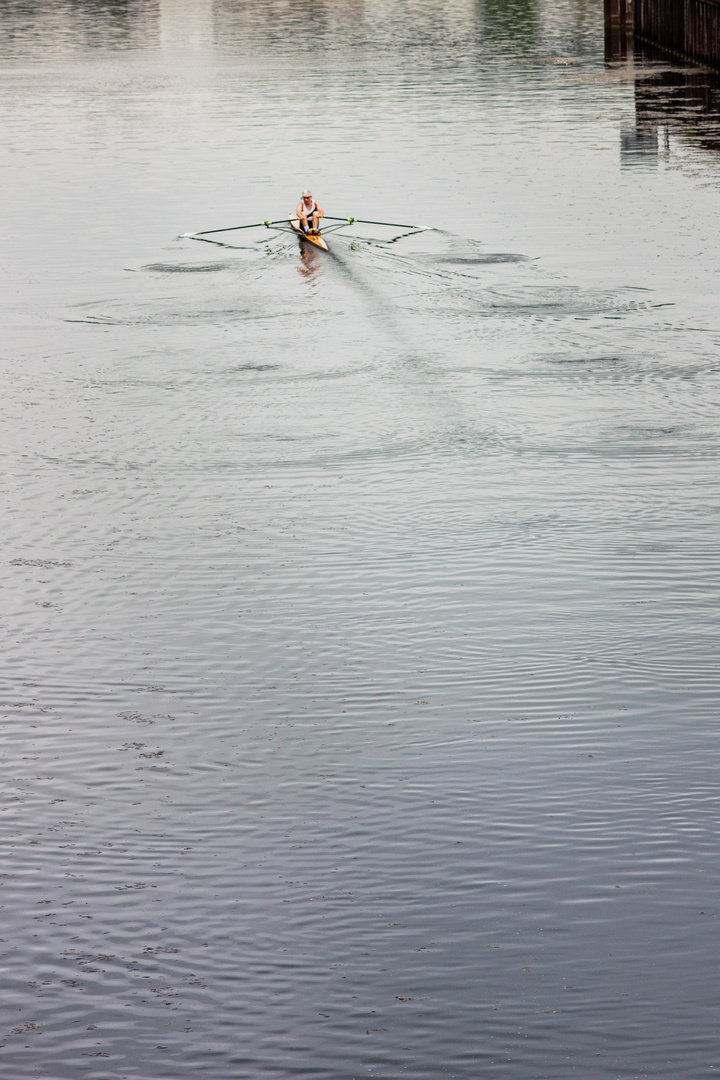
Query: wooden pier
pixel 685 28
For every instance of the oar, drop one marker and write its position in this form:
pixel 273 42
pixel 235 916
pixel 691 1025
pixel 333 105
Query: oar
pixel 217 243
pixel 390 224
pixel 234 228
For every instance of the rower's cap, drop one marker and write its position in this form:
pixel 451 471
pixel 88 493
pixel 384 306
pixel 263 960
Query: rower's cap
pixel 306 192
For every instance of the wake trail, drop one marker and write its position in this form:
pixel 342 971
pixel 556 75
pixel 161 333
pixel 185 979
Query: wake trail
pixel 384 314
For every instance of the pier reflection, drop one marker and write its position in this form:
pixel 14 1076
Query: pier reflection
pixel 640 146
pixel 509 23
pixel 77 24
pixel 677 106
pixel 312 24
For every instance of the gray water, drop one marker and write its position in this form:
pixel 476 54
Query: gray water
pixel 360 706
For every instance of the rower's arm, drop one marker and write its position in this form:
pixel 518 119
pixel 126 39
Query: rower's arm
pixel 320 211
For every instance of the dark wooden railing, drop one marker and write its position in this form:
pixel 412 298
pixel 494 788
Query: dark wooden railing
pixel 687 28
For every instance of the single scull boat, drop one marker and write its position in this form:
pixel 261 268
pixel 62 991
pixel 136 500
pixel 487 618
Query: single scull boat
pixel 313 237
pixel 292 223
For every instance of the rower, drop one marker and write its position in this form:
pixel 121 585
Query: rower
pixel 309 213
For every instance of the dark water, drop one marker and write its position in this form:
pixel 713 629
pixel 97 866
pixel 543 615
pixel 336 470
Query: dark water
pixel 360 708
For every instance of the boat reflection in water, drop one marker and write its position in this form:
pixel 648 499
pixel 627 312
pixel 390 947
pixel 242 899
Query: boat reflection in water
pixel 311 260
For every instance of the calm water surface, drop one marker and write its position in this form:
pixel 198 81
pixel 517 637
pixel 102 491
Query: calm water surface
pixel 360 621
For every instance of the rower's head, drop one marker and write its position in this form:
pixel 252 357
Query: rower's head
pixel 307 196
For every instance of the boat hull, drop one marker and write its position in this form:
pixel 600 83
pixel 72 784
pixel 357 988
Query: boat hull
pixel 316 240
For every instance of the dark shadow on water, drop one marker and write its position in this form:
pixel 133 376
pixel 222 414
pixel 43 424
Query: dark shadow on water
pixel 237 369
pixel 186 268
pixel 480 260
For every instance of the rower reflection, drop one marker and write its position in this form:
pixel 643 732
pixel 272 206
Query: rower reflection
pixel 311 261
